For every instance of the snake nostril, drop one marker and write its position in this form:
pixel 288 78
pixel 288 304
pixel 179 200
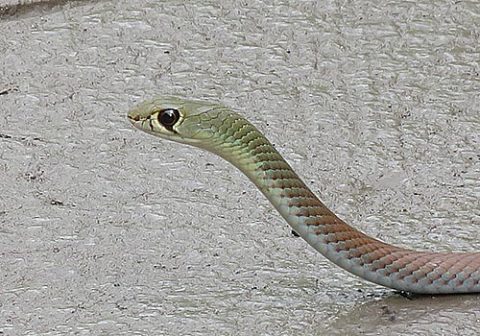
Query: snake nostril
pixel 134 118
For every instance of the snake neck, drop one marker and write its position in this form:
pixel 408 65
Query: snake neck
pixel 245 147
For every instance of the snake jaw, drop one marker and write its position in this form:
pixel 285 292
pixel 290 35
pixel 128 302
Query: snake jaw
pixel 139 123
pixel 133 118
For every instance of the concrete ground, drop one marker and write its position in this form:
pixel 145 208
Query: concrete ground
pixel 105 230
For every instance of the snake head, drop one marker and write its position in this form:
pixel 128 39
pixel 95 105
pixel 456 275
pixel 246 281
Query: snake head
pixel 177 119
pixel 209 126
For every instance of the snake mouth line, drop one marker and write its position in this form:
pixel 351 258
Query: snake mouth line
pixel 133 119
pixel 139 122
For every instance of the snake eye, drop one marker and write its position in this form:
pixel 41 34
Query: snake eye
pixel 168 117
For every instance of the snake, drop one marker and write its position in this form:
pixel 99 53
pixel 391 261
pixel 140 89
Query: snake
pixel 218 129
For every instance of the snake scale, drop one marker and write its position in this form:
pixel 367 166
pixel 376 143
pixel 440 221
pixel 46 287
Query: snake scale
pixel 218 129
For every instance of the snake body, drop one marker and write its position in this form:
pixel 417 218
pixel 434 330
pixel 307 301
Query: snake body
pixel 219 130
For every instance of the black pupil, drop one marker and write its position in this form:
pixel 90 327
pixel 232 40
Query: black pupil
pixel 168 117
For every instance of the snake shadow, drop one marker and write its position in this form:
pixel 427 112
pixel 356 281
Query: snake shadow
pixel 392 313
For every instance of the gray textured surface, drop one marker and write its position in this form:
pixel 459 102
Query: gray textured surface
pixel 104 230
pixel 7 3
